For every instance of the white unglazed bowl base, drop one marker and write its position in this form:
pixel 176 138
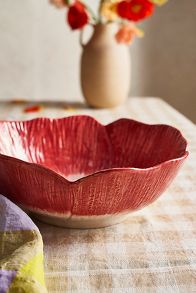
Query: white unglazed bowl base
pixel 80 222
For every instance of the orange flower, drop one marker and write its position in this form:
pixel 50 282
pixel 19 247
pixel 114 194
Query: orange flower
pixel 59 3
pixel 127 33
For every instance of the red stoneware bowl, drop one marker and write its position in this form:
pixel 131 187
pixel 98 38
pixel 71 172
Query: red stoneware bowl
pixel 75 172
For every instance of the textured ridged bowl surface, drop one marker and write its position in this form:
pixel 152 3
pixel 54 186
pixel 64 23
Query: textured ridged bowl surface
pixel 76 172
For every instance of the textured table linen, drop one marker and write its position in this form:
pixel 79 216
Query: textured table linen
pixel 154 250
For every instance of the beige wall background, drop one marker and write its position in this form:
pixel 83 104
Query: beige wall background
pixel 39 56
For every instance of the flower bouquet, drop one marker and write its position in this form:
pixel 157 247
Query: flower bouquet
pixel 126 13
pixel 105 62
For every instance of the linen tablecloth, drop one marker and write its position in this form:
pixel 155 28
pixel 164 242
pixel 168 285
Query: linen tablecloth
pixel 154 250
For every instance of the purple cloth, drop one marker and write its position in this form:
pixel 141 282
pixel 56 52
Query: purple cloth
pixel 6 277
pixel 13 218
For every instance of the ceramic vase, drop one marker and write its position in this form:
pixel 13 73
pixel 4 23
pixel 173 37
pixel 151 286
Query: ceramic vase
pixel 105 68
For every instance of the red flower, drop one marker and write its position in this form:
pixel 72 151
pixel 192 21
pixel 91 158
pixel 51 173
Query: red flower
pixel 135 10
pixel 77 15
pixel 123 9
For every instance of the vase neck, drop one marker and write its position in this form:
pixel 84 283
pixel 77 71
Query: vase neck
pixel 104 33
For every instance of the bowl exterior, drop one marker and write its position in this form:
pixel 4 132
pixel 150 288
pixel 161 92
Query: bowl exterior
pixel 106 197
pixel 98 200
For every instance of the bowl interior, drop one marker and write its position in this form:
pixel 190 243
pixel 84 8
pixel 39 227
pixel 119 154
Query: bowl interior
pixel 77 146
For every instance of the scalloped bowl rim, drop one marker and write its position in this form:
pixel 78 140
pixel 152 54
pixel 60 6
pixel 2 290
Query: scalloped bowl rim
pixel 131 169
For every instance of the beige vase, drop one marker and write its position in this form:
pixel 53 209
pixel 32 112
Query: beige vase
pixel 105 68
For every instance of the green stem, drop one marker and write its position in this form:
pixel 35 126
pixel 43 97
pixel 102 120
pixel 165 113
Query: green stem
pixel 91 12
pixel 99 11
